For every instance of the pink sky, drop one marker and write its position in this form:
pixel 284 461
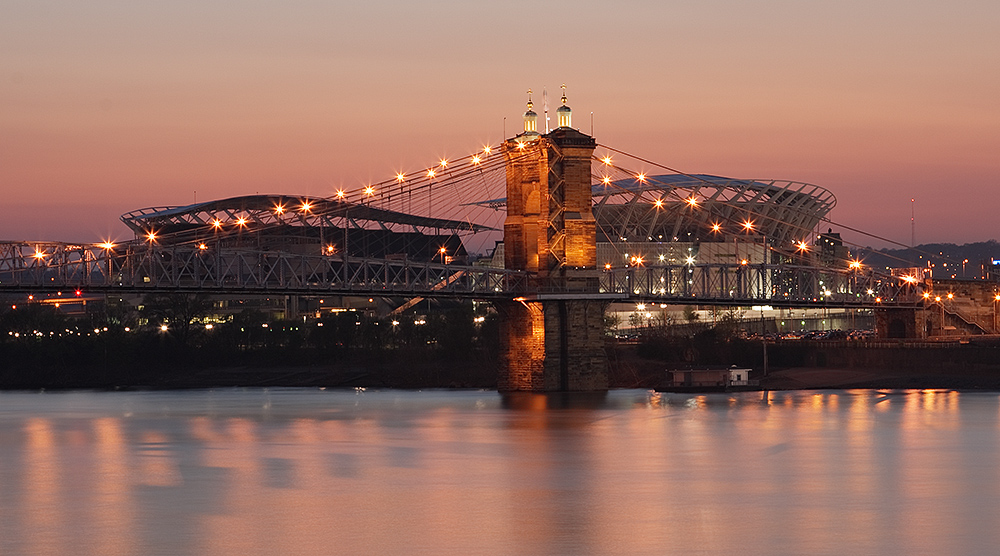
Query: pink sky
pixel 109 106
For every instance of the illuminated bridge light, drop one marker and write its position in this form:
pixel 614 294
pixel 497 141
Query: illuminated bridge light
pixel 107 245
pixel 306 206
pixel 399 177
pixel 151 236
pixel 279 209
pixel 487 149
pixel 641 177
pixel 340 193
pixel 606 180
pixel 606 160
pixel 369 191
pixel 475 159
pixel 444 163
pixel 748 225
pixel 431 173
pixel 39 255
pixel 716 227
pixel 217 223
pixel 241 221
pixel 659 203
pixel 692 201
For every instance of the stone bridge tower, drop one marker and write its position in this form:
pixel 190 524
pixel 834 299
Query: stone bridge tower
pixel 553 335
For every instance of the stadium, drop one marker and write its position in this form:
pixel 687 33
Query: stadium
pixel 670 218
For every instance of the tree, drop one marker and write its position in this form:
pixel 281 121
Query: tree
pixel 178 311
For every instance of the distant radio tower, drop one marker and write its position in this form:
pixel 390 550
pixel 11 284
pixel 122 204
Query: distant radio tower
pixel 545 105
pixel 913 226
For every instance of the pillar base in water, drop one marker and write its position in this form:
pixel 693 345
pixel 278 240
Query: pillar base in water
pixel 553 346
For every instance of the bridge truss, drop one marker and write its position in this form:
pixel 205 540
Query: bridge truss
pixel 143 268
pixel 34 267
pixel 281 244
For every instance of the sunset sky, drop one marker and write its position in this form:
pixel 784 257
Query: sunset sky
pixel 109 106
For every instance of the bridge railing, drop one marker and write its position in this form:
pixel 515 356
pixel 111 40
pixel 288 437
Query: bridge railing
pixel 760 283
pixel 31 266
pixel 35 266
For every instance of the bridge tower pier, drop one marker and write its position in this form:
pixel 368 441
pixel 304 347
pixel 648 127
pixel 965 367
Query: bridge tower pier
pixel 552 336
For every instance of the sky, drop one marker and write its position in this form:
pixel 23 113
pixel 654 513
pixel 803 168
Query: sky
pixel 110 106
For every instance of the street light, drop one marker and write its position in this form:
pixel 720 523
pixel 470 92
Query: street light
pixel 996 299
pixel 442 251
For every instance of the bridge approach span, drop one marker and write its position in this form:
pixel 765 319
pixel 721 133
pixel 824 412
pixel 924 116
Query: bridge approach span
pixel 139 267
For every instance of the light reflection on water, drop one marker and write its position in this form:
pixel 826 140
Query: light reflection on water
pixel 290 471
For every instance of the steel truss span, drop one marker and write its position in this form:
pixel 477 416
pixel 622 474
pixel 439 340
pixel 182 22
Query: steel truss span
pixel 32 267
pixel 140 268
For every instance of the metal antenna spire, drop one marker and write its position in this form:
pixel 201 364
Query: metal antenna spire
pixel 545 105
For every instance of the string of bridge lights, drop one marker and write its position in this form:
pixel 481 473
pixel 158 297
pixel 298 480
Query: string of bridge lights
pixel 482 159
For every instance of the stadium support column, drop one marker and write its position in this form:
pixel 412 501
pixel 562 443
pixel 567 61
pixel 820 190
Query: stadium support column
pixel 552 336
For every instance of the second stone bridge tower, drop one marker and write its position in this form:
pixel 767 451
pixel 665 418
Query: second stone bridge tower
pixel 553 335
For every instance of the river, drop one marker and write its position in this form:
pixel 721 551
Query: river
pixel 307 471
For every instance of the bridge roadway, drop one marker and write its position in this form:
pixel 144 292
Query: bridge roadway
pixel 139 267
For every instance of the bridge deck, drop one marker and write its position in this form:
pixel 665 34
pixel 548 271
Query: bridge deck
pixel 139 267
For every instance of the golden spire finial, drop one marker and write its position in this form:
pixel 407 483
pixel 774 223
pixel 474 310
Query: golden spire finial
pixel 530 104
pixel 564 93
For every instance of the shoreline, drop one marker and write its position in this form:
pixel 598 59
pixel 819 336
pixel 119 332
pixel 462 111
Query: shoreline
pixel 790 379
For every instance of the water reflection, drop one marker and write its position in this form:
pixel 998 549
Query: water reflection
pixel 310 472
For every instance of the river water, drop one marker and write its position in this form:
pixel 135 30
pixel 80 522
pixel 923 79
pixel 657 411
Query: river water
pixel 305 471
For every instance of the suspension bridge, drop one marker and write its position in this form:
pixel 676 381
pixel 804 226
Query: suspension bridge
pixel 549 227
pixel 669 238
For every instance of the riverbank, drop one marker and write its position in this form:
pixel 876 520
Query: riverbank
pixel 797 367
pixel 800 378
